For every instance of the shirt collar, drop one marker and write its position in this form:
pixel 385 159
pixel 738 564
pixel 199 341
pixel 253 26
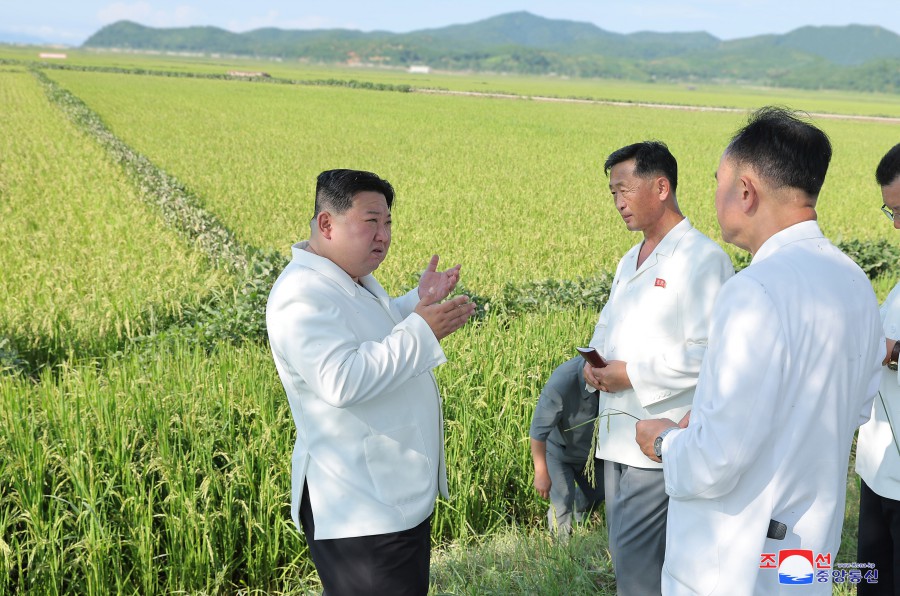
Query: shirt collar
pixel 670 241
pixel 666 246
pixel 805 230
pixel 332 271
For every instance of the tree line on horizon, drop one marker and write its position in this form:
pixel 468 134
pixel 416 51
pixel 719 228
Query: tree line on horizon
pixel 853 57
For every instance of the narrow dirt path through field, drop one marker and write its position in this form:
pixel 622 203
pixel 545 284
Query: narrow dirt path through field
pixel 640 104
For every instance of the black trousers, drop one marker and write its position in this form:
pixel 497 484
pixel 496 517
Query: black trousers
pixel 879 541
pixel 395 564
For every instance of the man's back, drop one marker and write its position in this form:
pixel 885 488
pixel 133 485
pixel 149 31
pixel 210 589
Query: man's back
pixel 795 348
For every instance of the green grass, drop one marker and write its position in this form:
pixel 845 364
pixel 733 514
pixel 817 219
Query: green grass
pixel 85 264
pixel 169 469
pixel 514 190
pixel 159 473
pixel 165 469
pixel 526 560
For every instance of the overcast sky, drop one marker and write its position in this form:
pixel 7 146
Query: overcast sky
pixel 72 21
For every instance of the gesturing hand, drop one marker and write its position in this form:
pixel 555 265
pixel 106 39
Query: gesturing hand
pixel 440 283
pixel 444 318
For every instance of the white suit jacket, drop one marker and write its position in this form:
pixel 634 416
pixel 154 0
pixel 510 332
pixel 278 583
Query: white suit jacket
pixel 794 359
pixel 877 455
pixel 657 321
pixel 356 367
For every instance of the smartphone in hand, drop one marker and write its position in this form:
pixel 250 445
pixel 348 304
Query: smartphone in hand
pixel 592 356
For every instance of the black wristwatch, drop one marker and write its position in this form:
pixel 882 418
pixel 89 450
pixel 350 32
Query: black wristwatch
pixel 657 444
pixel 895 356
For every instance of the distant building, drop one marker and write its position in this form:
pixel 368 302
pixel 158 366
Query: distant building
pixel 419 69
pixel 242 73
pixel 51 55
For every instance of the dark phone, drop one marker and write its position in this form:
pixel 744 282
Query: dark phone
pixel 592 356
pixel 777 530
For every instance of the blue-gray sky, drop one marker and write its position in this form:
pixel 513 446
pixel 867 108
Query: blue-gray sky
pixel 72 21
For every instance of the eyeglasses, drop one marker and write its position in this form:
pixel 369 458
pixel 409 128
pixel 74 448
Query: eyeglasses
pixel 887 211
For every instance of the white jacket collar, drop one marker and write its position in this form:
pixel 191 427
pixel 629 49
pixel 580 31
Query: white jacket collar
pixel 332 271
pixel 665 248
pixel 805 230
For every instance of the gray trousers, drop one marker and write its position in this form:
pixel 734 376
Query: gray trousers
pixel 636 507
pixel 571 493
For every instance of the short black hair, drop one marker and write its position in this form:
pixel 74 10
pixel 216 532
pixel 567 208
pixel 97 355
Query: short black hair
pixel 651 158
pixel 784 149
pixel 335 189
pixel 889 167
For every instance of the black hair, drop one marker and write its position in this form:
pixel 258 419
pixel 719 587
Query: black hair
pixel 889 167
pixel 651 158
pixel 784 149
pixel 335 189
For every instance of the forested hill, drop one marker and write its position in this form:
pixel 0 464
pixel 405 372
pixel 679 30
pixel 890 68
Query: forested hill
pixel 850 57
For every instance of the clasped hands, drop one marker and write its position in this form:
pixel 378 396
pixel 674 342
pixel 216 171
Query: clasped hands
pixel 434 286
pixel 612 378
pixel 609 379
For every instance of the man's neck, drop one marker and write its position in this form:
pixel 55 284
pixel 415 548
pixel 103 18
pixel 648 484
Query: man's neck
pixel 781 223
pixel 312 249
pixel 653 236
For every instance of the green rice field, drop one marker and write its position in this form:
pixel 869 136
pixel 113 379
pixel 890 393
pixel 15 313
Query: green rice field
pixel 140 458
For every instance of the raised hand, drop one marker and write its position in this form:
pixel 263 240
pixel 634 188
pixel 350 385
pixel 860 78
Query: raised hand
pixel 439 283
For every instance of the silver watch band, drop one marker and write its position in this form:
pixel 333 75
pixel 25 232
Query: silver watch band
pixel 661 438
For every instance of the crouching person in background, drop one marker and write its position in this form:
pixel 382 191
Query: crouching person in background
pixel 561 433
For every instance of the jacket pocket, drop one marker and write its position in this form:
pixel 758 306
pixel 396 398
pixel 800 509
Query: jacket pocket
pixel 399 465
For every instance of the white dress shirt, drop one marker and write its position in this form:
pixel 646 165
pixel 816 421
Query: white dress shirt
pixel 657 321
pixel 877 447
pixel 356 367
pixel 794 359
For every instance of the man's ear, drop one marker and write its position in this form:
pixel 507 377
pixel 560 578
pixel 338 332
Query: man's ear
pixel 324 224
pixel 749 194
pixel 663 188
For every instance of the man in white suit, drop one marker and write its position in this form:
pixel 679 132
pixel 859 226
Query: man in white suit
pixel 757 475
pixel 653 331
pixel 356 366
pixel 878 448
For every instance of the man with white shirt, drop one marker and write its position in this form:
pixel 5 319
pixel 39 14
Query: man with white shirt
pixel 757 478
pixel 878 448
pixel 653 332
pixel 356 366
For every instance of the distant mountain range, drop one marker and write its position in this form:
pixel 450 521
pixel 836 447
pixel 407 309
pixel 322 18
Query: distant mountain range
pixel 849 57
pixel 22 38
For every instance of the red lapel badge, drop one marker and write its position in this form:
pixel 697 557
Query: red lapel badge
pixel 660 283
